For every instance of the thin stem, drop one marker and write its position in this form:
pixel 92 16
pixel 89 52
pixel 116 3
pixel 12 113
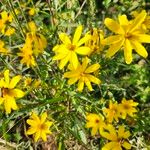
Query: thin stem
pixel 16 18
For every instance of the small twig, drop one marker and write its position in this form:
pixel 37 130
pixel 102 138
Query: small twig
pixel 13 145
pixel 51 12
pixel 79 12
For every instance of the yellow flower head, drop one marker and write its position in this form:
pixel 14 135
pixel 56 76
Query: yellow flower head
pixel 36 40
pixel 95 44
pixel 127 107
pixel 145 26
pixel 2 49
pixel 68 50
pixel 96 122
pixel 6 18
pixel 27 55
pixel 32 11
pixel 113 112
pixel 27 81
pixel 39 126
pixel 82 74
pixel 118 138
pixel 128 36
pixel 9 92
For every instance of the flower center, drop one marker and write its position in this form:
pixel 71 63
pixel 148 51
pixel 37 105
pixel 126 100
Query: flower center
pixel 97 121
pixel 82 74
pixel 72 47
pixel 42 126
pixel 126 106
pixel 128 35
pixel 114 110
pixel 5 91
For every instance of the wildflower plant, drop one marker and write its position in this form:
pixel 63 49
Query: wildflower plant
pixel 64 83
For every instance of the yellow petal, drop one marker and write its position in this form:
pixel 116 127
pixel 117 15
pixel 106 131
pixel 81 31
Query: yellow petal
pixel 9 31
pixel 94 130
pixel 48 124
pixel 2 83
pixel 6 76
pixel 123 20
pixel 10 103
pixel 43 117
pixel 64 61
pixel 18 93
pixel 64 38
pixel 142 38
pixel 137 21
pixel 83 50
pixel 77 34
pixel 128 51
pixel 139 48
pixel 31 122
pixel 126 145
pixel 121 132
pixel 7 105
pixel 114 49
pixel 83 40
pixel 71 74
pixel 32 26
pixel 92 68
pixel 31 131
pixel 113 26
pixel 72 80
pixel 43 136
pixel 13 104
pixel 80 85
pixel 1 100
pixel 88 84
pixel 111 40
pixel 59 56
pixel 74 60
pixel 93 79
pixel 37 136
pixel 14 81
pixel 85 62
pixel 126 134
pixel 110 146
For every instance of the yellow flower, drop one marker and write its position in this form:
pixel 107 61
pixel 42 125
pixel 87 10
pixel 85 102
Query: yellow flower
pixel 95 44
pixel 36 40
pixel 2 49
pixel 37 83
pixel 9 92
pixel 128 36
pixel 82 74
pixel 27 55
pixel 127 107
pixel 32 11
pixel 146 23
pixel 113 112
pixel 5 18
pixel 96 122
pixel 39 127
pixel 68 50
pixel 118 138
pixel 9 31
pixel 27 81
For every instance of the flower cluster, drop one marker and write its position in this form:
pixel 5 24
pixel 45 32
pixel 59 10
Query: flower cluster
pixel 69 50
pixel 35 43
pixel 76 59
pixel 104 123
